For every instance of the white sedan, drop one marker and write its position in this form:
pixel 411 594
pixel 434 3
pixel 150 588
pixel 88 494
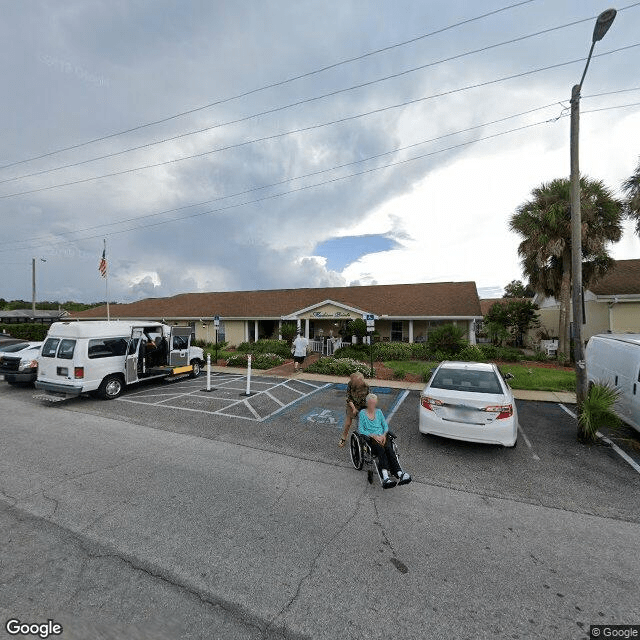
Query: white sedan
pixel 469 401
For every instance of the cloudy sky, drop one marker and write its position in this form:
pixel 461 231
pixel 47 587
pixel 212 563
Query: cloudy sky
pixel 250 213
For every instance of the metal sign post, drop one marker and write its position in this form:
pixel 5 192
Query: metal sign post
pixel 370 319
pixel 216 324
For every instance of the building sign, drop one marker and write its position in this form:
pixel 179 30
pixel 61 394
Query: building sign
pixel 334 315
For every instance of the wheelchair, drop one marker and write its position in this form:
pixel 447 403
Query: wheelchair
pixel 361 454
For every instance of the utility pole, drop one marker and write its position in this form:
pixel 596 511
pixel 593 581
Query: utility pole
pixel 603 22
pixel 33 288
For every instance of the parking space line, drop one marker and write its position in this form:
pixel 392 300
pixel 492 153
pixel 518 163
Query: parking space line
pixel 396 405
pixel 528 443
pixel 627 458
pixel 315 386
pixel 284 384
pixel 248 405
pixel 266 393
pixel 290 404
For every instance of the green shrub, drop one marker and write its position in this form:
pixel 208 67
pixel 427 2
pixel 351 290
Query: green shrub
pixel 258 360
pixel 597 411
pixel 540 356
pixel 399 374
pixel 355 352
pixel 448 338
pixel 279 347
pixel 392 351
pixel 26 331
pixel 490 351
pixel 288 331
pixel 509 354
pixel 339 367
pixel 471 353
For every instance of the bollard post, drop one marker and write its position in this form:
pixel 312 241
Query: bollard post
pixel 209 388
pixel 248 391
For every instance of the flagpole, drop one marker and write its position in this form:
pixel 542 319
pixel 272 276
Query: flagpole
pixel 106 282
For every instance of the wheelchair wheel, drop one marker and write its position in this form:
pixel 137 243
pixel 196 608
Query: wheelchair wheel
pixel 355 448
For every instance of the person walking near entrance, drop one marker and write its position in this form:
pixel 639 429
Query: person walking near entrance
pixel 357 391
pixel 299 349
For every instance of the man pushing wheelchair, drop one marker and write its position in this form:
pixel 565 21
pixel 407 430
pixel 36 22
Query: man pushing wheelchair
pixel 374 444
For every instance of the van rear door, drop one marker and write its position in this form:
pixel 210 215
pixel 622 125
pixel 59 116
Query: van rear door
pixel 131 368
pixel 179 342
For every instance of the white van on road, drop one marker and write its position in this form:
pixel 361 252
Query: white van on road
pixel 103 357
pixel 615 359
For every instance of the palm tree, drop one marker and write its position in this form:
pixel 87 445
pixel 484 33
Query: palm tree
pixel 544 224
pixel 631 188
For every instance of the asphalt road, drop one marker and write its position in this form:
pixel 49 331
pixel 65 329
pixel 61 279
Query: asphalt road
pixel 157 516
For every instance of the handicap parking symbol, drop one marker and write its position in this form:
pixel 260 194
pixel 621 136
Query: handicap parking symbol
pixel 318 415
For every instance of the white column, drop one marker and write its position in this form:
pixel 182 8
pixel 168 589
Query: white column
pixel 298 324
pixel 279 329
pixel 246 331
pixel 410 331
pixel 472 332
pixel 255 330
pixel 306 328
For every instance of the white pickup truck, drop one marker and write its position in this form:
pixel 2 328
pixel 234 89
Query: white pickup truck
pixel 102 358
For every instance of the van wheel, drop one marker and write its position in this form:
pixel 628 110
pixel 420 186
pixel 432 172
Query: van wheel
pixel 110 388
pixel 196 368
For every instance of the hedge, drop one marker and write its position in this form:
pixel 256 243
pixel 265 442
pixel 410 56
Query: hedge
pixel 279 347
pixel 339 367
pixel 258 360
pixel 26 331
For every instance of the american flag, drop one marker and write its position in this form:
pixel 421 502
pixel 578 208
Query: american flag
pixel 102 267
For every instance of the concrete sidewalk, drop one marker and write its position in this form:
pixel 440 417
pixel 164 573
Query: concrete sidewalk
pixel 519 394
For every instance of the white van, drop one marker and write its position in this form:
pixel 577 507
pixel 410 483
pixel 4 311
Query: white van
pixel 615 358
pixel 103 357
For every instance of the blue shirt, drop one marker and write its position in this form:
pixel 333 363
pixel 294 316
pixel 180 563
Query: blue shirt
pixel 376 427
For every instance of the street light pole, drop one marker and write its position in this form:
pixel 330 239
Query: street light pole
pixel 33 286
pixel 603 22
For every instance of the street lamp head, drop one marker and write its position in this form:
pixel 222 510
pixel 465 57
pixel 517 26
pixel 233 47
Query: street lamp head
pixel 604 21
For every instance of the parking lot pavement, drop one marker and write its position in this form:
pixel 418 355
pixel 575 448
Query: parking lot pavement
pixel 300 542
pixel 267 517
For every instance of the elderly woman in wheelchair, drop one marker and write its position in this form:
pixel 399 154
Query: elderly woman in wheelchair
pixel 375 445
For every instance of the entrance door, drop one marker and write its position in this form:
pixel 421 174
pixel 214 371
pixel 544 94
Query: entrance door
pixel 180 341
pixel 131 368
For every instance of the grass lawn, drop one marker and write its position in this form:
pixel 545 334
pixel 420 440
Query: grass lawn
pixel 528 377
pixel 539 378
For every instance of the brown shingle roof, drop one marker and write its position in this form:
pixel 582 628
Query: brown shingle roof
pixel 622 279
pixel 454 299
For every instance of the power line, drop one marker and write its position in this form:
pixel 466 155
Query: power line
pixel 273 84
pixel 345 119
pixel 299 177
pixel 321 171
pixel 297 103
pixel 318 184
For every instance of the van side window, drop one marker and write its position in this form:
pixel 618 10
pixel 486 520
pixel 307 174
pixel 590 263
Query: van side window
pixel 180 342
pixel 107 348
pixel 50 347
pixel 66 349
pixel 133 345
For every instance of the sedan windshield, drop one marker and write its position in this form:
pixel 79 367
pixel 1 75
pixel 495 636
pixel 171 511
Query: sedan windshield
pixel 470 380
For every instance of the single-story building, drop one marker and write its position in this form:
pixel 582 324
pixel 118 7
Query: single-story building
pixel 405 312
pixel 611 305
pixel 42 316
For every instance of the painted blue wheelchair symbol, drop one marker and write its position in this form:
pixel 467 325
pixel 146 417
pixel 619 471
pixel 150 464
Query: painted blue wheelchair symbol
pixel 328 417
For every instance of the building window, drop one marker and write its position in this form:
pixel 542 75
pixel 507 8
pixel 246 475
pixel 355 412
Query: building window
pixel 221 332
pixel 312 330
pixel 396 330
